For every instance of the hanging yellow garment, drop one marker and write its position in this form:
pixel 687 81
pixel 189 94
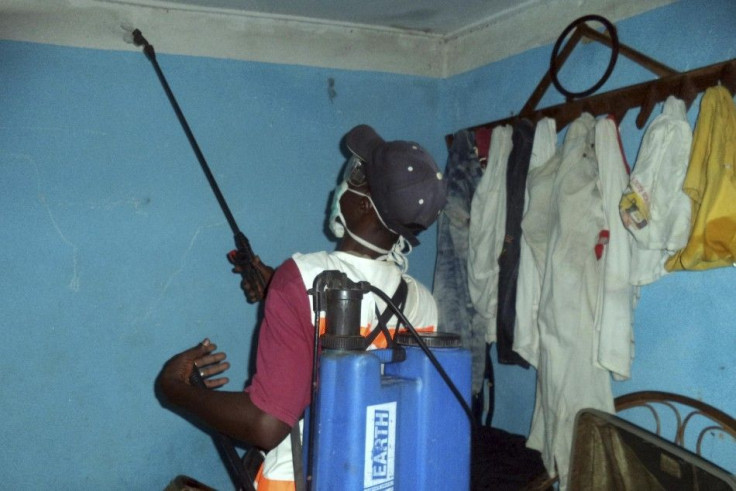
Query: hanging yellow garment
pixel 711 184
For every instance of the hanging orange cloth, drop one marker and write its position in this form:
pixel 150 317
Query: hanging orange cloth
pixel 711 184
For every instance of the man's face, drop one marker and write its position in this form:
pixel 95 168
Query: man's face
pixel 351 202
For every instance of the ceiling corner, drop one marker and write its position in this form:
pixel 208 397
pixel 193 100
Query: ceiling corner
pixel 300 41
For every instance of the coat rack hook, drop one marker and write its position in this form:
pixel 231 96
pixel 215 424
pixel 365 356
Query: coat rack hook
pixel 728 77
pixel 646 107
pixel 687 91
pixel 620 113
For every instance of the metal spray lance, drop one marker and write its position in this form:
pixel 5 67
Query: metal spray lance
pixel 242 257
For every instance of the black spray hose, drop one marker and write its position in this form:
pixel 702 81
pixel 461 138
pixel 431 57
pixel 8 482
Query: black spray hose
pixel 427 352
pixel 317 307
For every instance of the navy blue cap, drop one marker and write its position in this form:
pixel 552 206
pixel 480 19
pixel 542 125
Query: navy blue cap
pixel 405 183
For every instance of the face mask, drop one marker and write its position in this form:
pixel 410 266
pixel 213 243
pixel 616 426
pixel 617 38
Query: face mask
pixel 337 220
pixel 398 254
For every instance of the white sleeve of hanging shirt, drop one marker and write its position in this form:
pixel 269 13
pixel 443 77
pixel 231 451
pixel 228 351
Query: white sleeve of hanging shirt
pixel 614 318
pixel 529 285
pixel 487 229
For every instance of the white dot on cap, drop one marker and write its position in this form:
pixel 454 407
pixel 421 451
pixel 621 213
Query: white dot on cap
pixel 414 147
pixel 421 201
pixel 410 168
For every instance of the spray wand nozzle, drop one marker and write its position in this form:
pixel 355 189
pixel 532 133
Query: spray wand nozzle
pixel 135 36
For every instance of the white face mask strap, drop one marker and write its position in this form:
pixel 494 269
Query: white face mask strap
pixel 374 207
pixel 398 254
pixel 365 243
pixel 399 250
pixel 403 245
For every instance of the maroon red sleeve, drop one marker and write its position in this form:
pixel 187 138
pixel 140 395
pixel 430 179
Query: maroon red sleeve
pixel 281 385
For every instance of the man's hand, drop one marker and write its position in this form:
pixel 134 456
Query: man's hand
pixel 230 413
pixel 253 292
pixel 178 369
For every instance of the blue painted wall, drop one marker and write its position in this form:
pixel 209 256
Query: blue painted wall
pixel 114 247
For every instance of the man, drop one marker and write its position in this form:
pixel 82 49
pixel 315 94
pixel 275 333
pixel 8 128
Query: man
pixel 390 192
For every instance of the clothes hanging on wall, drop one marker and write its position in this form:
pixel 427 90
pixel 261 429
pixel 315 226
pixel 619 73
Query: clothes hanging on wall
pixel 543 166
pixel 482 145
pixel 455 308
pixel 592 234
pixel 613 341
pixel 654 208
pixel 580 295
pixel 508 260
pixel 487 229
pixel 486 233
pixel 711 185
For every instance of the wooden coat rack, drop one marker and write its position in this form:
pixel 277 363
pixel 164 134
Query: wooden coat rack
pixel 684 85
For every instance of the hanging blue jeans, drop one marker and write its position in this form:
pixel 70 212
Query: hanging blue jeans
pixel 456 311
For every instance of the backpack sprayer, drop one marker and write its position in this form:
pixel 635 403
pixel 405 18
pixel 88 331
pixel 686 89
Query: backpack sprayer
pixel 395 418
pixel 242 258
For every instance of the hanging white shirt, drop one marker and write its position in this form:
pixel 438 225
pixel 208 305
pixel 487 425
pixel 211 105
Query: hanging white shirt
pixel 542 169
pixel 567 377
pixel 614 341
pixel 654 208
pixel 487 229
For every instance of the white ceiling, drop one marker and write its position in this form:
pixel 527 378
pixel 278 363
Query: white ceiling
pixel 440 17
pixel 435 38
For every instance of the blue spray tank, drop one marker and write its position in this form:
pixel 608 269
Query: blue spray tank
pixel 395 418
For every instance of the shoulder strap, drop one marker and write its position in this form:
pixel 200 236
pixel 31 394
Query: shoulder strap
pixel 398 299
